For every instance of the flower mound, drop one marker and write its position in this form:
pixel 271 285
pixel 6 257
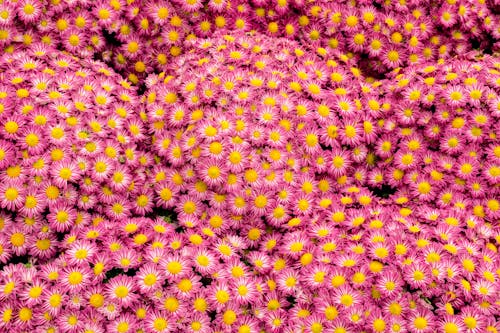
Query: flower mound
pixel 72 162
pixel 285 174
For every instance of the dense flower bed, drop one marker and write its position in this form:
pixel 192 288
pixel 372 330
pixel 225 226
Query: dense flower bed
pixel 217 166
pixel 137 37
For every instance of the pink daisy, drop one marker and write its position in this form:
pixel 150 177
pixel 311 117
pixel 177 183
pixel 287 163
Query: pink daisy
pixel 420 321
pixel 339 162
pixel 121 289
pixel 64 172
pixel 75 278
pixel 61 216
pixel 123 323
pixel 81 252
pixel 7 153
pixel 44 246
pixel 11 195
pixel 390 283
pixel 159 322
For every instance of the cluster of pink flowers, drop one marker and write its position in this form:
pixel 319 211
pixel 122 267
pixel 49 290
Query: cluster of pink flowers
pixel 72 158
pixel 137 37
pixel 287 149
pixel 264 166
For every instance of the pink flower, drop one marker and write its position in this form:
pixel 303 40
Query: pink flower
pixel 75 278
pixel 62 216
pixel 339 162
pixel 11 195
pixel 121 289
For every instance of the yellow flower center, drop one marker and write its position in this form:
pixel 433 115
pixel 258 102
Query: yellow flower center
pixel 121 291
